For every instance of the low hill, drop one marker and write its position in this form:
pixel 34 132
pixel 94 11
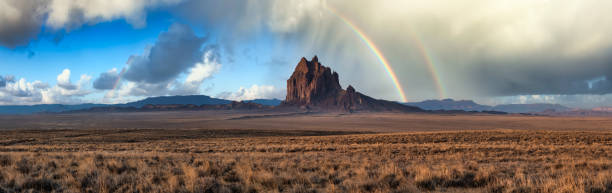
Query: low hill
pixel 530 108
pixel 450 104
pixel 180 100
pixel 268 102
pixel 469 105
pixel 197 100
pixel 44 108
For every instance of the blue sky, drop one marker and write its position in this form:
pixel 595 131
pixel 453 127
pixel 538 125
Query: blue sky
pixel 86 50
pixel 489 51
pixel 96 48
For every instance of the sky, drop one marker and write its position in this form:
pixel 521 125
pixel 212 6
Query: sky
pixel 490 51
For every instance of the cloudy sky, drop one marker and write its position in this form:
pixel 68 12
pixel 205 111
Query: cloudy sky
pixel 491 51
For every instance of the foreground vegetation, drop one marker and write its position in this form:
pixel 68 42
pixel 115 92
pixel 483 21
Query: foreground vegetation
pixel 458 161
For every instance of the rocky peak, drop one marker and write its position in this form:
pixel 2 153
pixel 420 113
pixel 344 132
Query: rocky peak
pixel 350 89
pixel 310 82
pixel 316 87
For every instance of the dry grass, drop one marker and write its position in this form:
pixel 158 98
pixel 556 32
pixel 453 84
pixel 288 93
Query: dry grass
pixel 203 160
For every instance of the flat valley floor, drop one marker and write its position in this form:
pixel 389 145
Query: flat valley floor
pixel 228 151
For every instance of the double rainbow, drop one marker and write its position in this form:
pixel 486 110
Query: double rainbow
pixel 430 65
pixel 379 55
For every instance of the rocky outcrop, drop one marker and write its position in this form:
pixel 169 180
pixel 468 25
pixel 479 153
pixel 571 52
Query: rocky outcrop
pixel 313 86
pixel 311 83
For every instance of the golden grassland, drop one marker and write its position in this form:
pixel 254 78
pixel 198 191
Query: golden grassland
pixel 495 157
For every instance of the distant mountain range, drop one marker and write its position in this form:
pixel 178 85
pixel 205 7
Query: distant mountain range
pixel 530 108
pixel 161 100
pixel 269 102
pixel 450 104
pixel 198 100
pixel 468 105
pixel 44 108
pixel 177 100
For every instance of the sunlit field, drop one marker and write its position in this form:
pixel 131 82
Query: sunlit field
pixel 362 159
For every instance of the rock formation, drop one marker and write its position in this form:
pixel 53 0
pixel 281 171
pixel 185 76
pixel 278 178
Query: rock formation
pixel 313 86
pixel 311 83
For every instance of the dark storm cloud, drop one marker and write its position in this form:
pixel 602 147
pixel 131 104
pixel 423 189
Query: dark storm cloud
pixel 214 15
pixel 20 22
pixel 477 48
pixel 195 76
pixel 106 80
pixel 210 12
pixel 544 74
pixel 175 51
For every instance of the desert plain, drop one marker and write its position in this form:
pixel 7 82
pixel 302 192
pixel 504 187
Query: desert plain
pixel 236 151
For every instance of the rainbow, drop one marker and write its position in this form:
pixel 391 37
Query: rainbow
pixel 430 65
pixel 383 60
pixel 116 84
pixel 374 49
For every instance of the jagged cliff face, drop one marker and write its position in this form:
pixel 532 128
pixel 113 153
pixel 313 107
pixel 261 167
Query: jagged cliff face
pixel 314 86
pixel 311 82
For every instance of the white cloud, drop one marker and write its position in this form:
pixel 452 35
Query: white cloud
pixel 37 92
pixel 23 88
pixel 72 13
pixel 22 92
pixel 20 21
pixel 202 71
pixel 254 92
pixel 65 92
pixel 289 15
pixel 64 12
pixel 63 80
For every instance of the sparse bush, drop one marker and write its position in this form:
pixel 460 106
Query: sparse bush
pixel 24 166
pixel 43 185
pixel 479 161
pixel 5 160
